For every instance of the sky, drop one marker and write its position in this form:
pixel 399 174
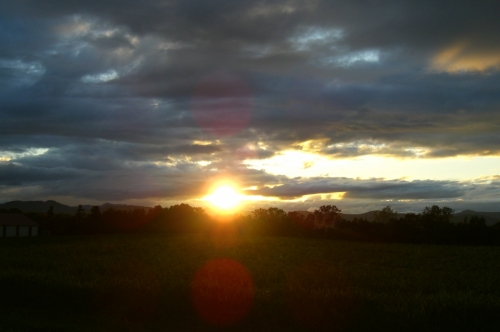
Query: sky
pixel 296 104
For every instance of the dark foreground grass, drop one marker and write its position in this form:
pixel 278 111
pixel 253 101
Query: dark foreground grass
pixel 147 283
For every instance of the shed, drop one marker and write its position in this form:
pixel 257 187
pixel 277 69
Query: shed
pixel 16 224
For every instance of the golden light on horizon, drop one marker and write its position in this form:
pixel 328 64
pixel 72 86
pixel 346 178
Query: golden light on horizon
pixel 224 197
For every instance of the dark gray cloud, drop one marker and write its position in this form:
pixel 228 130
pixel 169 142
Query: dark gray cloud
pixel 12 174
pixel 372 189
pixel 361 195
pixel 110 90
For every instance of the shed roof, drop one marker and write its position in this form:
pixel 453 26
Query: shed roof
pixel 15 219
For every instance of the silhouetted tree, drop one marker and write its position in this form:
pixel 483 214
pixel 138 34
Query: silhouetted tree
pixel 303 221
pixel 80 212
pixel 50 212
pixel 178 219
pixel 475 222
pixel 326 216
pixel 435 217
pixel 272 214
pixel 152 213
pixel 95 212
pixel 411 220
pixel 386 215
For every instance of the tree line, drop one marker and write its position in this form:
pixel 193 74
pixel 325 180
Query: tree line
pixel 432 225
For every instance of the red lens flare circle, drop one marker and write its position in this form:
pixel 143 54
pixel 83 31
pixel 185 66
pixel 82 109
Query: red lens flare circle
pixel 222 104
pixel 222 292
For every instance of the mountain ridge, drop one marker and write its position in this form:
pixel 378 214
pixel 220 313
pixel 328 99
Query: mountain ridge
pixel 43 206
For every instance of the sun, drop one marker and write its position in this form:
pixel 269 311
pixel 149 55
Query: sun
pixel 224 197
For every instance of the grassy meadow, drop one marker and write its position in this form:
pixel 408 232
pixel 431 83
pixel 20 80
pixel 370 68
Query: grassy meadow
pixel 155 282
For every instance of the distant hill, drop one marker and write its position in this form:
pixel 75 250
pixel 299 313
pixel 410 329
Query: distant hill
pixel 43 207
pixel 122 207
pixel 38 206
pixel 491 218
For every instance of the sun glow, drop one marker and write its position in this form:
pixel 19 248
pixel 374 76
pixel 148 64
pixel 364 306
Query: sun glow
pixel 224 197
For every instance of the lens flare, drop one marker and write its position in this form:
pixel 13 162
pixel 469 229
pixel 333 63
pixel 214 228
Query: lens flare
pixel 222 104
pixel 222 292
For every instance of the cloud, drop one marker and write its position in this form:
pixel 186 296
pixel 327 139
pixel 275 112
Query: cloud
pixel 112 94
pixel 372 188
pixel 358 196
pixel 12 174
pixel 466 57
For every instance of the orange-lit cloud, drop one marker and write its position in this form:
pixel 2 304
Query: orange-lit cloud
pixel 464 56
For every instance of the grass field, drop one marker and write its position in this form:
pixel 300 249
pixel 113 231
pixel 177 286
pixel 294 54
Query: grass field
pixel 163 283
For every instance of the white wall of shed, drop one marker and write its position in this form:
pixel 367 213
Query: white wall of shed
pixel 34 230
pixel 24 231
pixel 10 231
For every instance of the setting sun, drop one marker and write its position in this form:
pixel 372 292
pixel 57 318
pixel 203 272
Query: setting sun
pixel 224 197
